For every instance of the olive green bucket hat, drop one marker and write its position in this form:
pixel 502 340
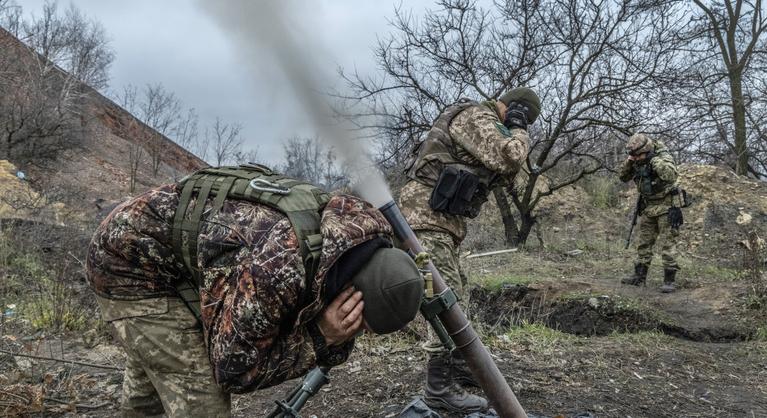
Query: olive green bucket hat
pixel 392 289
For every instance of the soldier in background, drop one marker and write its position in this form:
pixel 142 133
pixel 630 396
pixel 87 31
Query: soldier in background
pixel 652 168
pixel 471 148
pixel 264 319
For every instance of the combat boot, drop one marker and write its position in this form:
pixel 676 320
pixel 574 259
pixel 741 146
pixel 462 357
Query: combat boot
pixel 461 372
pixel 442 392
pixel 669 275
pixel 639 277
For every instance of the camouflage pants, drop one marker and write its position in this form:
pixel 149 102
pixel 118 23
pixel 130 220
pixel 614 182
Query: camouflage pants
pixel 444 255
pixel 652 228
pixel 167 368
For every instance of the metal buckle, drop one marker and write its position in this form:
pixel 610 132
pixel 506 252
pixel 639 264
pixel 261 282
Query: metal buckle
pixel 263 185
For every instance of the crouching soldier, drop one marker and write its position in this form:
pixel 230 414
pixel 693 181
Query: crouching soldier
pixel 652 168
pixel 237 279
pixel 471 148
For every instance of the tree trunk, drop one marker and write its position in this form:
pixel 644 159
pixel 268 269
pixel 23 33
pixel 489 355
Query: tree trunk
pixel 509 224
pixel 739 119
pixel 528 221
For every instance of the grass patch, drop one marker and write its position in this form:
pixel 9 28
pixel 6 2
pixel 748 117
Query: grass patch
pixel 38 291
pixel 498 281
pixel 603 191
pixel 711 271
pixel 760 334
pixel 536 337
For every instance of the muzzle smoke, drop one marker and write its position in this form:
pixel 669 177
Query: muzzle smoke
pixel 258 27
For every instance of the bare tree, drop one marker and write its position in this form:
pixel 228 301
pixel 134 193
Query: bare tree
pixel 41 94
pixel 70 40
pixel 247 156
pixel 224 141
pixel 185 131
pixel 127 99
pixel 724 42
pixel 593 63
pixel 309 159
pixel 38 105
pixel 160 110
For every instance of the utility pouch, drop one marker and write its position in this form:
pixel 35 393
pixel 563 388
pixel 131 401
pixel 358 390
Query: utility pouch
pixel 444 189
pixel 684 200
pixel 458 192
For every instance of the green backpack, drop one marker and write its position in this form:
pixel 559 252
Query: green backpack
pixel 300 201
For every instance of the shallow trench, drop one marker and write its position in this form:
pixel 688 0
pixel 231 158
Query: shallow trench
pixel 585 316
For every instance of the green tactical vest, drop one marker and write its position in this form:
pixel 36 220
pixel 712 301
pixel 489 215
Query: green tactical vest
pixel 439 150
pixel 300 201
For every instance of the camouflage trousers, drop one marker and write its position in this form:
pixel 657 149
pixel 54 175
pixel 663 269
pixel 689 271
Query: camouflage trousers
pixel 167 368
pixel 444 255
pixel 652 229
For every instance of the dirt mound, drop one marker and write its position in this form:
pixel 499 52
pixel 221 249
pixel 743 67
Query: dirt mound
pixel 725 208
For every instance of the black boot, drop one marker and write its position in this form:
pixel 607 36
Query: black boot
pixel 669 275
pixel 462 373
pixel 443 392
pixel 639 277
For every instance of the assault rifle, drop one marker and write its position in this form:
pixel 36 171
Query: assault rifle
pixel 637 211
pixel 311 384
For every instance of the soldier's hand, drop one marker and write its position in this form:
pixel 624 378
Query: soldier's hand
pixel 516 116
pixel 342 319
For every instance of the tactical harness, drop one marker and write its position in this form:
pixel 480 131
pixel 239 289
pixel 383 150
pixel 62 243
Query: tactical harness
pixel 458 188
pixel 300 201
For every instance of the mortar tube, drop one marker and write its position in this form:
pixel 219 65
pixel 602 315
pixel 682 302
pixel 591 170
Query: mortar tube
pixel 466 340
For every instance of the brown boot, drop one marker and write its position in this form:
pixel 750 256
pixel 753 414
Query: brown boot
pixel 461 372
pixel 443 392
pixel 639 277
pixel 669 275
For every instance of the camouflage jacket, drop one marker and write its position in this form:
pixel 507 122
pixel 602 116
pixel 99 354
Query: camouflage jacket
pixel 480 138
pixel 654 179
pixel 258 310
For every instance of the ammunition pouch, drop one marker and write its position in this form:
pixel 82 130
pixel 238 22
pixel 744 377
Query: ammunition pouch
pixel 649 184
pixel 684 200
pixel 458 192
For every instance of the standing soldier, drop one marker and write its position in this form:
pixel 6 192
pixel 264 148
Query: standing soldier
pixel 280 275
pixel 470 149
pixel 652 168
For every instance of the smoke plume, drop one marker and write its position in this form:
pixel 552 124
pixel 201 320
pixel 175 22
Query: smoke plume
pixel 263 36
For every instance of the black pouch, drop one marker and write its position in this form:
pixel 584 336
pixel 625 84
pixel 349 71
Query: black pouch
pixel 444 189
pixel 465 202
pixel 458 192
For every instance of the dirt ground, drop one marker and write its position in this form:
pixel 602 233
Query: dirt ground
pixel 568 338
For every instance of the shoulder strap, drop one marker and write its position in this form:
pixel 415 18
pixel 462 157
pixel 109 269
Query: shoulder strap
pixel 300 201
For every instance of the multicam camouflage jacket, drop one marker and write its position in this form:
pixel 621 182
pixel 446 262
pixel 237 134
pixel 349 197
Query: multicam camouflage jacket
pixel 480 139
pixel 655 179
pixel 258 310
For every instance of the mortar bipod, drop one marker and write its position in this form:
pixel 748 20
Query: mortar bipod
pixel 309 386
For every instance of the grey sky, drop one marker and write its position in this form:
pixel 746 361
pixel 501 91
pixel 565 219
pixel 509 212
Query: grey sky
pixel 175 43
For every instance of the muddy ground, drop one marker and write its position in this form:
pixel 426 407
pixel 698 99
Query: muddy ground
pixel 566 335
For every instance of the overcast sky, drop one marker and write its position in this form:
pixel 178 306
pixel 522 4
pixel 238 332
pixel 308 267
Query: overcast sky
pixel 174 42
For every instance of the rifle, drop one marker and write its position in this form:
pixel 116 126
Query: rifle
pixel 311 384
pixel 637 211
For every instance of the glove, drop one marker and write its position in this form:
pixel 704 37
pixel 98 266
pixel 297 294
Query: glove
pixel 675 217
pixel 516 116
